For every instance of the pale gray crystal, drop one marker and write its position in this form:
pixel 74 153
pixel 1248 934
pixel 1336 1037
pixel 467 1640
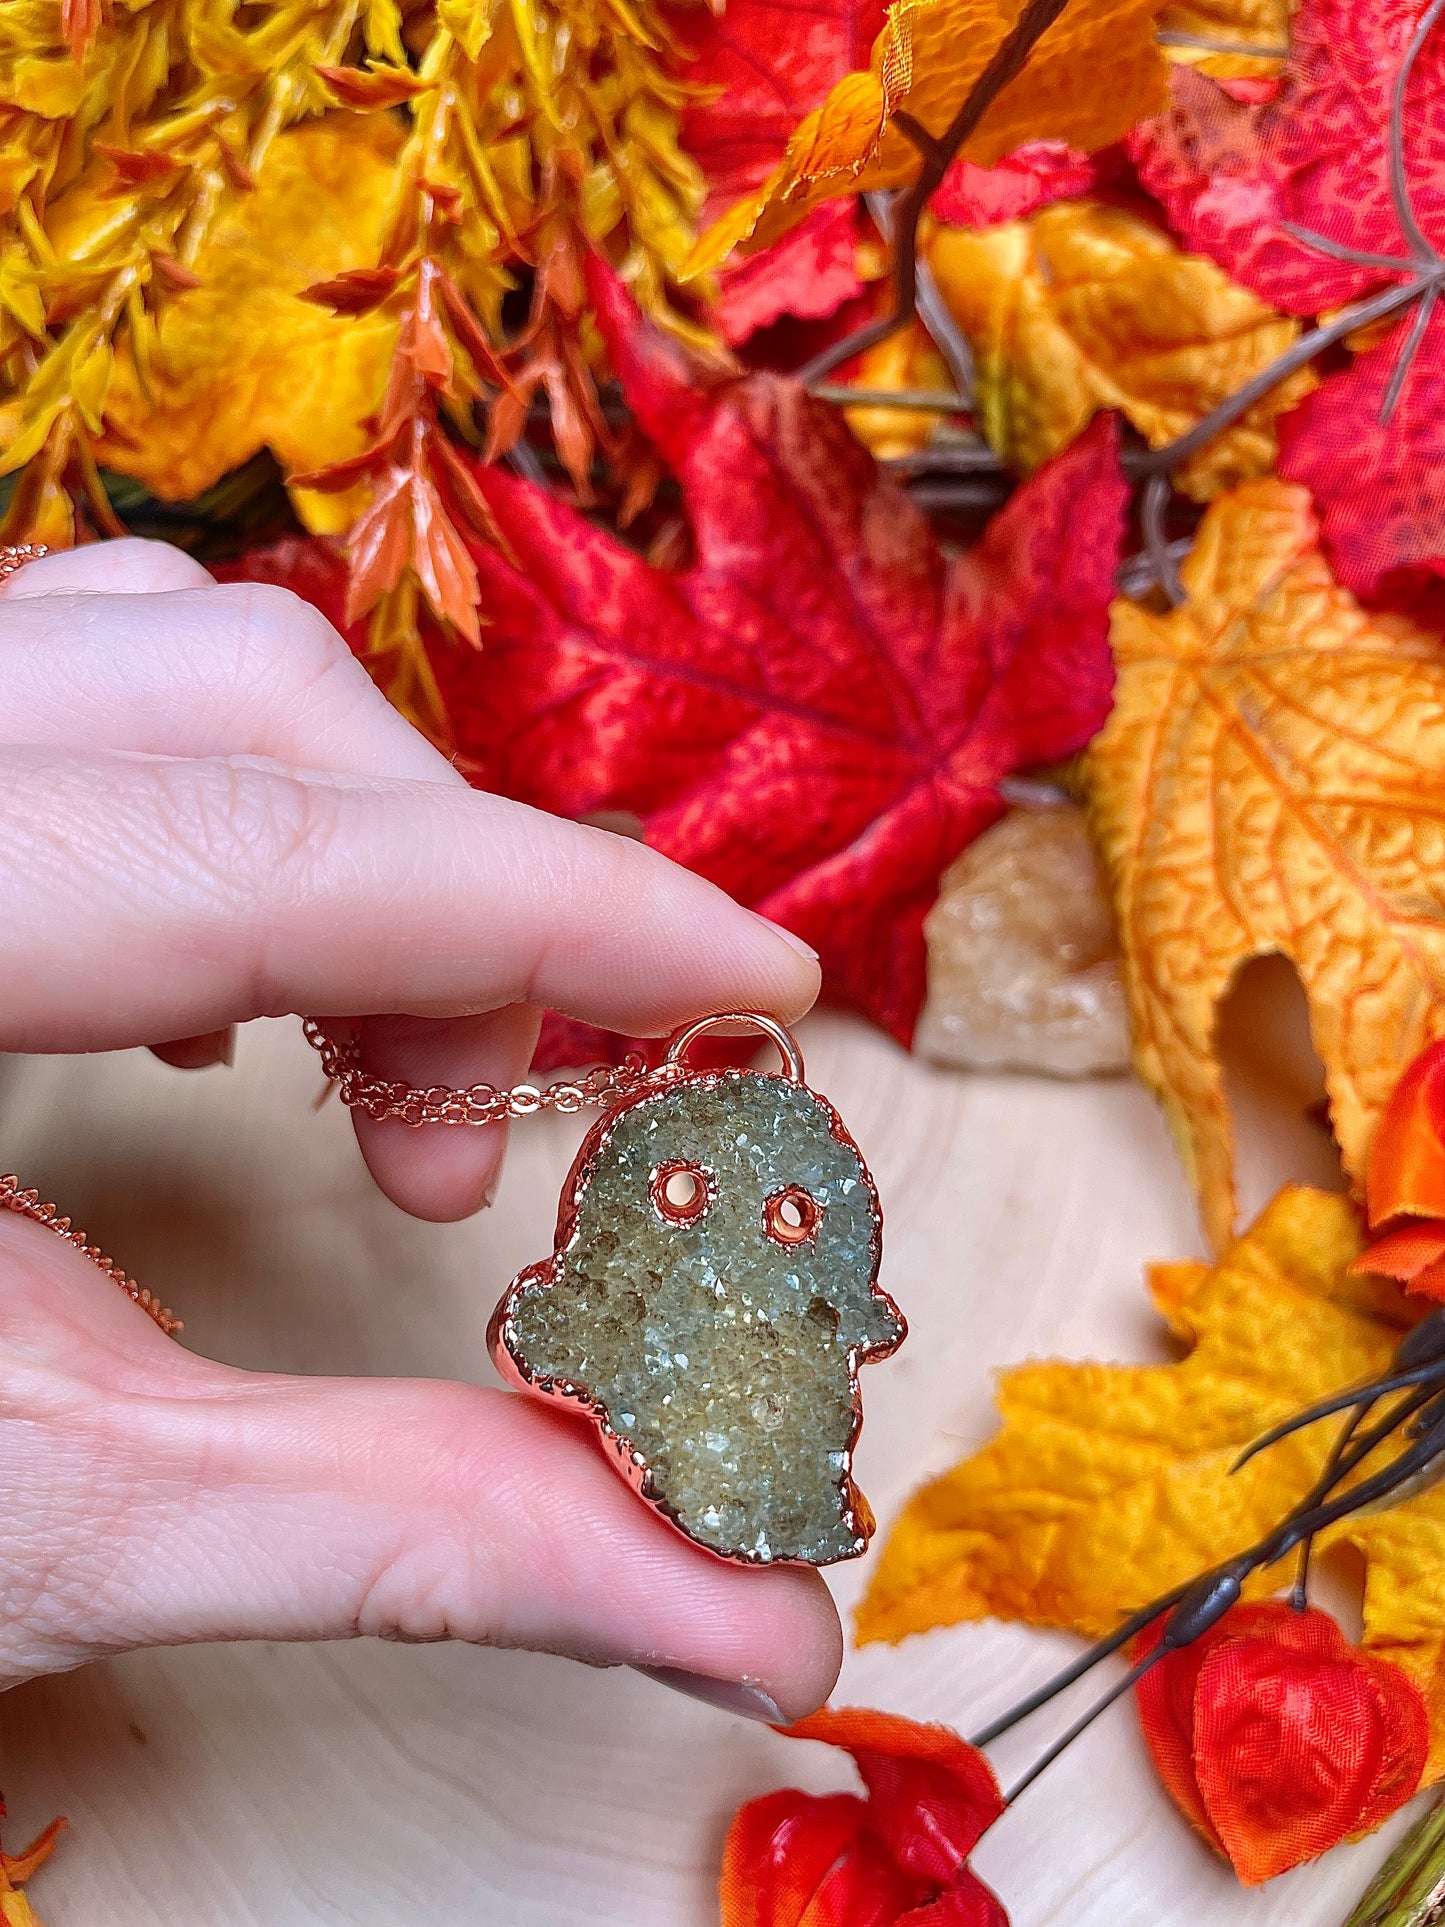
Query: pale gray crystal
pixel 727 1360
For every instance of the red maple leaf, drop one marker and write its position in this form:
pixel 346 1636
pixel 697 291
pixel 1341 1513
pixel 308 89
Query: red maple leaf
pixel 1294 198
pixel 816 713
pixel 766 64
pixel 1031 177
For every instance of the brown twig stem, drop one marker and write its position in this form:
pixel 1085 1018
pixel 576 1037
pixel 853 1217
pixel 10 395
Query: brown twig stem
pixel 933 311
pixel 949 457
pixel 936 152
pixel 981 493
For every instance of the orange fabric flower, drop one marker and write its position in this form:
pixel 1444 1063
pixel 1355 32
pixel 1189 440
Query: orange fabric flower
pixel 16 1869
pixel 898 1858
pixel 1405 1181
pixel 1277 1739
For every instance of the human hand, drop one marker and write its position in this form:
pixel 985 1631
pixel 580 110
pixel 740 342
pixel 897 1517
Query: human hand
pixel 208 814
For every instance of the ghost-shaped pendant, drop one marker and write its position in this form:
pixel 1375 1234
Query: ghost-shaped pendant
pixel 710 1298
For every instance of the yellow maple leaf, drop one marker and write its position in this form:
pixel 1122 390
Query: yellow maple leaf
pixel 241 363
pixel 1093 74
pixel 1086 307
pixel 1229 39
pixel 1269 782
pixel 1108 1485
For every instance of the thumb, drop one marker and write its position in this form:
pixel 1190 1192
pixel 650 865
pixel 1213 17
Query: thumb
pixel 167 1499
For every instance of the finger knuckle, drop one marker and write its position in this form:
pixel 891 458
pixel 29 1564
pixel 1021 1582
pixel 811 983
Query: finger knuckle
pixel 283 641
pixel 440 1579
pixel 246 828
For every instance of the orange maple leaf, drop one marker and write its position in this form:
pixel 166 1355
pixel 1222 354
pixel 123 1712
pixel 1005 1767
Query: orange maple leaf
pixel 1269 782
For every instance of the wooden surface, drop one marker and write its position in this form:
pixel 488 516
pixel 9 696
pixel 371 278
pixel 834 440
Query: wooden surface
pixel 375 1784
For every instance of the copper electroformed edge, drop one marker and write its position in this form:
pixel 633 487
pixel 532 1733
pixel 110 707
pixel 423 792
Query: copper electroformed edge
pixel 622 1453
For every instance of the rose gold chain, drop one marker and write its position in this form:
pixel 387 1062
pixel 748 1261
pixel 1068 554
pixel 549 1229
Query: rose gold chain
pixel 381 1097
pixel 15 555
pixel 28 1205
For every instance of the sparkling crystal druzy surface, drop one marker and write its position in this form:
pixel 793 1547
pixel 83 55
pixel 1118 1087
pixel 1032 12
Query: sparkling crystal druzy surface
pixel 722 1360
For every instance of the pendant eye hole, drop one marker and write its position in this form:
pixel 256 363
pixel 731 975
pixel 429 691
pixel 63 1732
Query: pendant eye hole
pixel 681 1191
pixel 792 1217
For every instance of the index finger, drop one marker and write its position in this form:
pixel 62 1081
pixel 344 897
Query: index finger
pixel 207 891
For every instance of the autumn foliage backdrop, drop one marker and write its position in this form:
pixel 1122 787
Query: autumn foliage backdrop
pixel 547 345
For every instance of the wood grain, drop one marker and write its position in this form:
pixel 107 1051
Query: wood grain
pixel 372 1784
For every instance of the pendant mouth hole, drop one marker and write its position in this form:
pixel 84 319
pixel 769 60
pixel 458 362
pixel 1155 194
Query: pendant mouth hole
pixel 681 1191
pixel 792 1217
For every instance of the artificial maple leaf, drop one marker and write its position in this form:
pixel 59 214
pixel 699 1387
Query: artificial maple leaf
pixel 242 363
pixel 817 712
pixel 898 1858
pixel 758 66
pixel 1094 73
pixel 1086 307
pixel 1249 185
pixel 810 273
pixel 1108 1485
pixel 1032 177
pixel 1269 782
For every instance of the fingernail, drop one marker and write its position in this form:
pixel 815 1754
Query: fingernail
pixel 793 942
pixel 728 1695
pixel 227 1053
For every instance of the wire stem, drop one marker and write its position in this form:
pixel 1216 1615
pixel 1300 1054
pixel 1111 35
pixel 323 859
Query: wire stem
pixel 1085 1720
pixel 1076 1670
pixel 936 151
pixel 1162 461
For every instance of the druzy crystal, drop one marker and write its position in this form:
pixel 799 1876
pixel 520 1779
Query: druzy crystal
pixel 723 1357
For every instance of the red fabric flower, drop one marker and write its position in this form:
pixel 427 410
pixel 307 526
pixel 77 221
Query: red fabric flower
pixel 898 1858
pixel 1277 1739
pixel 1405 1183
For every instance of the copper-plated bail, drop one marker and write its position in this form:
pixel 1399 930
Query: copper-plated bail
pixel 682 1040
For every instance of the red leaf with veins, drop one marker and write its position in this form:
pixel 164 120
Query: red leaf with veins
pixel 1233 178
pixel 770 62
pixel 810 274
pixel 1032 177
pixel 817 713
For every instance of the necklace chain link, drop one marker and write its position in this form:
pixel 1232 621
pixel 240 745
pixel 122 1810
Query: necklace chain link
pixel 14 555
pixel 28 1204
pixel 382 1098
